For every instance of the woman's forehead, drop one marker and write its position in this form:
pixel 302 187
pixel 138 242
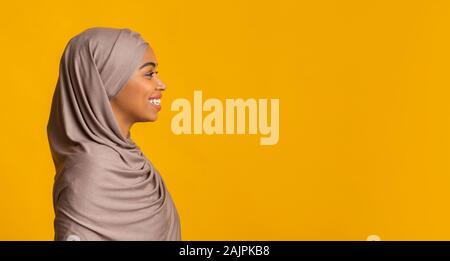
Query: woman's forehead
pixel 149 56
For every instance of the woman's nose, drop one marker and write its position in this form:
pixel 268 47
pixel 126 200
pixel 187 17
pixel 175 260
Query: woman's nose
pixel 160 84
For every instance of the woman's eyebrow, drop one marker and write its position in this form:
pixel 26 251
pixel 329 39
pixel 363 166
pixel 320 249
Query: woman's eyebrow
pixel 148 64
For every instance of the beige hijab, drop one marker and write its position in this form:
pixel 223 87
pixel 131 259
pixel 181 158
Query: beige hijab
pixel 105 188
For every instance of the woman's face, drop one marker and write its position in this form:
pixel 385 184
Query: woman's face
pixel 140 99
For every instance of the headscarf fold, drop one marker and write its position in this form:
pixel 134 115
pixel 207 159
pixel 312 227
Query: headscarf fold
pixel 105 188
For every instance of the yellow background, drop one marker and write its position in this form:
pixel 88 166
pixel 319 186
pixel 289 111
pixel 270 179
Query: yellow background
pixel 364 114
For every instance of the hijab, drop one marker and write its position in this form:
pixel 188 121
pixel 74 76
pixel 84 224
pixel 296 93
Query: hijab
pixel 105 188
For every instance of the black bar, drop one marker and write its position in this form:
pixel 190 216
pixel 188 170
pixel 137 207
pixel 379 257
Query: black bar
pixel 226 250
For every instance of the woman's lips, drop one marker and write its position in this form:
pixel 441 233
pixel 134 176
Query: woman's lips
pixel 155 101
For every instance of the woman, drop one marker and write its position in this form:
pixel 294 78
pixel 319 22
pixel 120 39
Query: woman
pixel 105 188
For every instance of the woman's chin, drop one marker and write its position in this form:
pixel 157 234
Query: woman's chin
pixel 152 113
pixel 151 117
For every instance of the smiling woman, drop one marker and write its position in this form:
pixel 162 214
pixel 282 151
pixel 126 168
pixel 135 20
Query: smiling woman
pixel 105 188
pixel 140 99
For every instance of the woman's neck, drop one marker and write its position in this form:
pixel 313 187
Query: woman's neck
pixel 124 124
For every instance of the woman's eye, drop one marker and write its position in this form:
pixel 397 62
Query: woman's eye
pixel 150 74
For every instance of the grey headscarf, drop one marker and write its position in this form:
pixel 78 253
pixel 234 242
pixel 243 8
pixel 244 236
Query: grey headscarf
pixel 105 188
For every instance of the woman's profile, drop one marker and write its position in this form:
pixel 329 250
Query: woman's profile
pixel 105 188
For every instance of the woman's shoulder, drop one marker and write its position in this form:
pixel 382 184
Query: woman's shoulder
pixel 92 156
pixel 86 166
pixel 82 161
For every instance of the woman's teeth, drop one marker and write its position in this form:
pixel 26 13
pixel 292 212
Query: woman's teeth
pixel 155 101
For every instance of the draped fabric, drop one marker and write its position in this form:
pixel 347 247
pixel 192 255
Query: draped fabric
pixel 105 188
